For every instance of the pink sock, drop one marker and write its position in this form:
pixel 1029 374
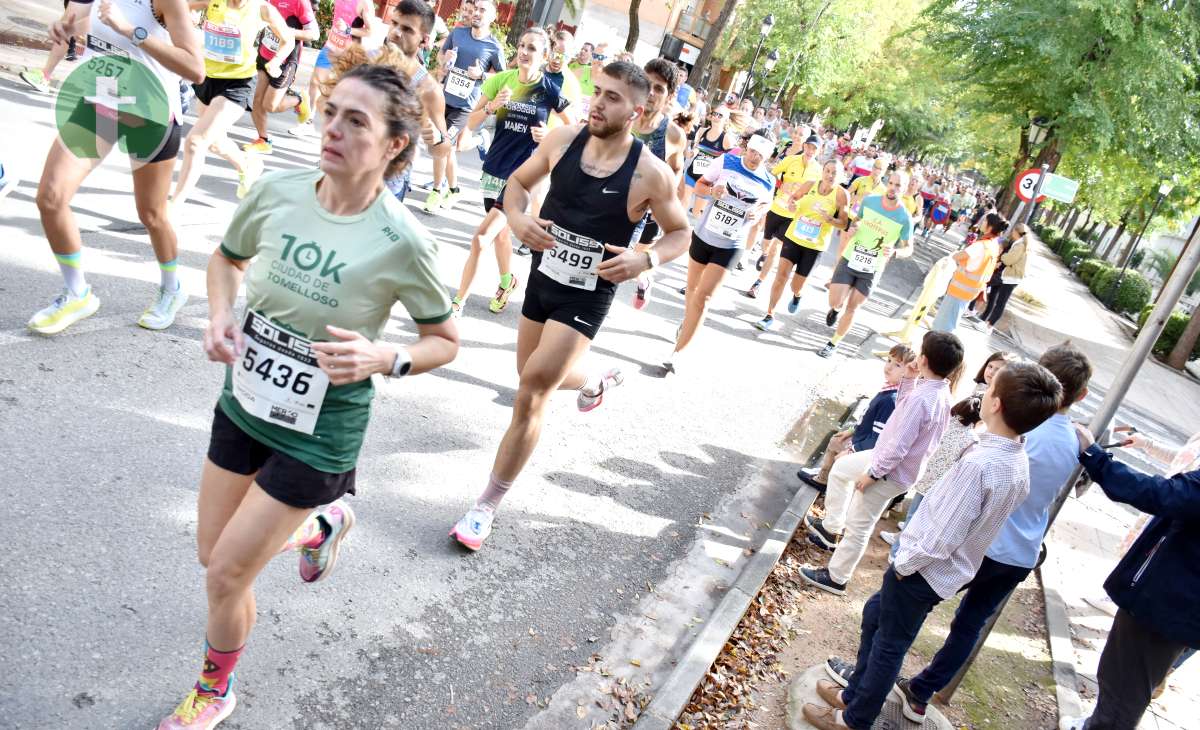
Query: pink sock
pixel 218 666
pixel 496 489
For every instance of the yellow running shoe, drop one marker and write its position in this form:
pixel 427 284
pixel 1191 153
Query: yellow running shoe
pixel 200 711
pixel 64 311
pixel 303 109
pixel 260 145
pixel 246 178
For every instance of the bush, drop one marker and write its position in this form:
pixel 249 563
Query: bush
pixel 1132 295
pixel 1135 261
pixel 1087 270
pixel 1170 334
pixel 1073 253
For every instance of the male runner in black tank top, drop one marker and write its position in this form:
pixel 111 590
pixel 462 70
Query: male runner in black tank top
pixel 602 182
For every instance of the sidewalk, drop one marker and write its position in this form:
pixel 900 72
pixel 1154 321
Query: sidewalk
pixel 1086 541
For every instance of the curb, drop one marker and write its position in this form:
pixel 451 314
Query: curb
pixel 1062 651
pixel 672 696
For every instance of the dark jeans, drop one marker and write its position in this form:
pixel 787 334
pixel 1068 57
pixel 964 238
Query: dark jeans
pixel 997 300
pixel 986 591
pixel 891 620
pixel 1135 660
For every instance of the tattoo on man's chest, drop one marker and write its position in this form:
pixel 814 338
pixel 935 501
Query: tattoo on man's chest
pixel 595 170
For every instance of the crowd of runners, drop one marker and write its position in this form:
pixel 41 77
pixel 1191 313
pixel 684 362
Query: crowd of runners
pixel 598 169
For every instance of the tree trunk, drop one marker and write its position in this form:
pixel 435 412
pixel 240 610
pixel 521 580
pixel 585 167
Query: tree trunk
pixel 1049 155
pixel 1113 248
pixel 710 43
pixel 1007 201
pixel 1187 342
pixel 520 19
pixel 1124 224
pixel 1104 234
pixel 634 27
pixel 1075 216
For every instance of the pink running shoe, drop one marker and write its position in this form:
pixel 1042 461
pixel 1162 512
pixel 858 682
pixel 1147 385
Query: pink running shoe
pixel 611 379
pixel 200 711
pixel 642 297
pixel 317 563
pixel 474 527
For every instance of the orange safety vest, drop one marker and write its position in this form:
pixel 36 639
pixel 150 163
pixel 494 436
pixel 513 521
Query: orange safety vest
pixel 968 282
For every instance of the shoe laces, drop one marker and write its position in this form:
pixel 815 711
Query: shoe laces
pixel 475 518
pixel 192 705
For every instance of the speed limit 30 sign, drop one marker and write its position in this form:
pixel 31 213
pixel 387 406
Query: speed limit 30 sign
pixel 1026 183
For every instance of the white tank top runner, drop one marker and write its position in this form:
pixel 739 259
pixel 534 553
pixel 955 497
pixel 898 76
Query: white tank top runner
pixel 103 40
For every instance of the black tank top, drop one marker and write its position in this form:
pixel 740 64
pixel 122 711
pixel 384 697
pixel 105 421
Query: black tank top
pixel 587 207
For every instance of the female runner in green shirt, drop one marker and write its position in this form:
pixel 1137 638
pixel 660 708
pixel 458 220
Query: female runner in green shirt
pixel 325 254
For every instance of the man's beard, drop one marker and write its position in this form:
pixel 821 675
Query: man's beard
pixel 609 129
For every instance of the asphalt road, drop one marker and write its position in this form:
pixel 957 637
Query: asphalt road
pixel 616 541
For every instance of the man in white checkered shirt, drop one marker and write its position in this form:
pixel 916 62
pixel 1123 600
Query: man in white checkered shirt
pixel 945 543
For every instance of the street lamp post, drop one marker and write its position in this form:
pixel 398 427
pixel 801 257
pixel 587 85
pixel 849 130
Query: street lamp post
pixel 768 64
pixel 763 32
pixel 1164 190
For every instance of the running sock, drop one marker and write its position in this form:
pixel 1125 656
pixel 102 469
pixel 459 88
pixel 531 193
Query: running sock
pixel 218 666
pixel 591 386
pixel 168 272
pixel 496 489
pixel 506 280
pixel 454 190
pixel 72 271
pixel 308 535
pixel 836 338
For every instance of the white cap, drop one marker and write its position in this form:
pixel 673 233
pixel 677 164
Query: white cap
pixel 761 145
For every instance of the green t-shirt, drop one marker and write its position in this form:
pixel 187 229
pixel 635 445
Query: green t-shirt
pixel 879 229
pixel 311 269
pixel 586 87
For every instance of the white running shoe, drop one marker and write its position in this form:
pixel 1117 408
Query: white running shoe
pixel 303 131
pixel 610 379
pixel 161 314
pixel 474 527
pixel 64 311
pixel 888 537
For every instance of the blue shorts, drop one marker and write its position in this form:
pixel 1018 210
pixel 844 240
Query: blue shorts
pixel 323 59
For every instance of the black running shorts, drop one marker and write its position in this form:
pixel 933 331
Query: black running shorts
pixel 776 226
pixel 843 274
pixel 455 117
pixel 84 117
pixel 804 258
pixel 706 253
pixel 582 311
pixel 283 80
pixel 238 91
pixel 288 480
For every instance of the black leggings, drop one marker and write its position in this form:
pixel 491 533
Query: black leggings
pixel 997 300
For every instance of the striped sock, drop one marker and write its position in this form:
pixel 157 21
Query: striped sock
pixel 218 666
pixel 71 265
pixel 168 272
